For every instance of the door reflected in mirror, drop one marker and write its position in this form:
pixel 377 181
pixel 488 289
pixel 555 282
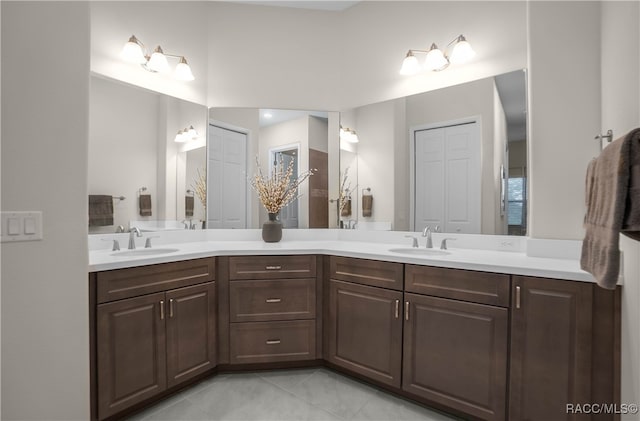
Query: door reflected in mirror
pixel 240 139
pixel 434 159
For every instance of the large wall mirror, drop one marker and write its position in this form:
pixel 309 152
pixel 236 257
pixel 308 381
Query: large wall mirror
pixel 135 150
pixel 452 158
pixel 243 141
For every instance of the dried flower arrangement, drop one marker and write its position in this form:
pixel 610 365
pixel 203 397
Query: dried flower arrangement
pixel 279 188
pixel 200 188
pixel 344 197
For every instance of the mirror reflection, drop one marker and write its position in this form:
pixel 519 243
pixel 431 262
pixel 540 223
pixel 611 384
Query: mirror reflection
pixel 140 172
pixel 242 141
pixel 452 159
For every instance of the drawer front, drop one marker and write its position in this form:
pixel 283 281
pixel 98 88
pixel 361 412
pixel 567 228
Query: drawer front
pixel 465 285
pixel 272 267
pixel 367 272
pixel 265 300
pixel 263 342
pixel 126 283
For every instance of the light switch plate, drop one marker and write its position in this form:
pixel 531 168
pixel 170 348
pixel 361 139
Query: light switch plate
pixel 21 226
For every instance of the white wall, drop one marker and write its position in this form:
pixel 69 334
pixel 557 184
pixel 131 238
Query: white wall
pixel 621 112
pixel 179 27
pixel 564 113
pixel 45 116
pixel 375 36
pixel 318 134
pixel 375 126
pixel 273 57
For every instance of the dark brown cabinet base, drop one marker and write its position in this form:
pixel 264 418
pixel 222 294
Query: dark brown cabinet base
pixel 455 354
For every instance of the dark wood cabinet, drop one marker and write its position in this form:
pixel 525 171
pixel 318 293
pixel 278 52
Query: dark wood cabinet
pixel 131 348
pixel 272 307
pixel 551 343
pixel 455 354
pixel 146 344
pixel 365 325
pixel 191 328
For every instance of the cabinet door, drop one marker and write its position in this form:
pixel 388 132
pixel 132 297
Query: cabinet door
pixel 191 332
pixel 131 352
pixel 365 330
pixel 455 353
pixel 550 348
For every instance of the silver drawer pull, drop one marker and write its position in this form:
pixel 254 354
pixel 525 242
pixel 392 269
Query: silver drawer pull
pixel 273 341
pixel 278 267
pixel 273 300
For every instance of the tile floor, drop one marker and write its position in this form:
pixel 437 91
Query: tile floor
pixel 314 394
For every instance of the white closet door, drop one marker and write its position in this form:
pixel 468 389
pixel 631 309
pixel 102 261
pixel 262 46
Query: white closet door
pixel 447 178
pixel 288 214
pixel 227 179
pixel 462 192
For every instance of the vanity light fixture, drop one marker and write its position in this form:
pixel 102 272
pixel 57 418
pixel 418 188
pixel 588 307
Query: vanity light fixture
pixel 436 60
pixel 134 51
pixel 186 135
pixel 348 135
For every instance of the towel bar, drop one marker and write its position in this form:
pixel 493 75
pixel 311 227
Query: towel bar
pixel 608 137
pixel 118 197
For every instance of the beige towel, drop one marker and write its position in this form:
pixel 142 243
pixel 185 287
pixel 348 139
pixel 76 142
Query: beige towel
pixel 100 210
pixel 611 204
pixel 144 202
pixel 367 204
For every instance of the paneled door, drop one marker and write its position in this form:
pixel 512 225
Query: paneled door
pixel 226 178
pixel 447 178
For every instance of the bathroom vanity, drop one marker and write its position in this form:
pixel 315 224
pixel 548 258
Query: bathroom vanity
pixel 477 344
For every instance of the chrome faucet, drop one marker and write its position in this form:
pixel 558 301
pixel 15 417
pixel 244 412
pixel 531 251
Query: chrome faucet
pixel 192 225
pixel 443 244
pixel 119 229
pixel 427 233
pixel 132 242
pixel 186 225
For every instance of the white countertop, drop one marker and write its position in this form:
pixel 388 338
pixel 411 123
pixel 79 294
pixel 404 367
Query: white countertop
pixel 509 262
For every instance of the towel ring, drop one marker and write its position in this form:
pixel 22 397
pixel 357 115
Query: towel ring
pixel 608 137
pixel 368 189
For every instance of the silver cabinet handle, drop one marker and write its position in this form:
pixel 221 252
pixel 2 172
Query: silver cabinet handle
pixel 278 267
pixel 406 310
pixel 397 309
pixel 517 297
pixel 273 341
pixel 161 309
pixel 171 307
pixel 273 300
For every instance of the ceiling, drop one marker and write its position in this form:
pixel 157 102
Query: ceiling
pixel 280 116
pixel 329 5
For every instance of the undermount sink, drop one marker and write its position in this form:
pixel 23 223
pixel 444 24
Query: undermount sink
pixel 420 251
pixel 144 252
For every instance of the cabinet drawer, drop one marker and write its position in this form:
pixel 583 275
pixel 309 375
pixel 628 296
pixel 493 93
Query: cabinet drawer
pixel 263 342
pixel 132 282
pixel 367 272
pixel 264 300
pixel 465 285
pixel 272 267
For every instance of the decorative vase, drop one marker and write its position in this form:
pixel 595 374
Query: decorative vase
pixel 272 229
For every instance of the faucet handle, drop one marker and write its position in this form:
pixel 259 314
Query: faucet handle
pixel 147 244
pixel 443 244
pixel 415 241
pixel 116 244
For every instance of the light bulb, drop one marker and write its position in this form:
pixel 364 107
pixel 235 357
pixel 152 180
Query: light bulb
pixel 435 60
pixel 462 51
pixel 410 65
pixel 179 137
pixel 183 71
pixel 132 51
pixel 158 61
